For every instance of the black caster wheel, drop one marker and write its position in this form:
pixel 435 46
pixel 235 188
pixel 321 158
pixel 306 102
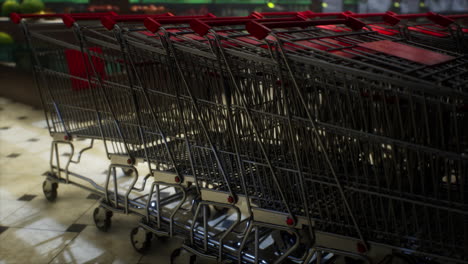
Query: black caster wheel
pixel 127 172
pixel 50 190
pixel 141 239
pixel 193 259
pixel 163 239
pixel 175 254
pixel 102 218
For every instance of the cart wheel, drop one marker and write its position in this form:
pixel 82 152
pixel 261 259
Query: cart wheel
pixel 127 172
pixel 163 239
pixel 141 239
pixel 102 218
pixel 193 259
pixel 175 254
pixel 50 190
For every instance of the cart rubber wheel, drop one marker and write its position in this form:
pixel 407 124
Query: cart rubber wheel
pixel 175 254
pixel 127 172
pixel 163 239
pixel 141 239
pixel 102 218
pixel 193 259
pixel 50 190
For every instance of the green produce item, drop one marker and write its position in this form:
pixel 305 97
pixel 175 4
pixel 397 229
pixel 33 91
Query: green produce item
pixel 31 6
pixel 5 38
pixel 10 6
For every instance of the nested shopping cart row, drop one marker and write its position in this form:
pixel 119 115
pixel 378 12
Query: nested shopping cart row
pixel 290 128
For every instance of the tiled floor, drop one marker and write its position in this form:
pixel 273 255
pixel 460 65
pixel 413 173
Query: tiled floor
pixel 34 230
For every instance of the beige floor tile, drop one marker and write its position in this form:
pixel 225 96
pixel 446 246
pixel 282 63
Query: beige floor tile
pixel 93 246
pixel 161 251
pixel 58 216
pixel 8 207
pixel 32 246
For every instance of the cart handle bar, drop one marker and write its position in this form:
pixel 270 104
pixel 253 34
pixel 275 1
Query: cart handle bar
pixel 394 18
pixel 307 13
pixel 16 18
pixel 69 21
pixel 110 21
pixel 202 27
pixel 261 31
pixel 461 16
pixel 389 17
pixel 154 24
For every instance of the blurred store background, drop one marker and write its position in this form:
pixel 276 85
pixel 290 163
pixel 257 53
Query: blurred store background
pixel 15 64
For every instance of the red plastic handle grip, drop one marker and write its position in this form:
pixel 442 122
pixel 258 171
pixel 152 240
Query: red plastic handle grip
pixel 16 18
pixel 109 22
pixel 154 24
pixel 434 17
pixel 264 14
pixel 389 17
pixel 462 16
pixel 261 31
pixel 202 27
pixel 308 14
pixel 364 15
pixel 440 19
pixel 409 16
pixel 311 14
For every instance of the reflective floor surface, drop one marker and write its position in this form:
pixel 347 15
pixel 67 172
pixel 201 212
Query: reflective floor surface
pixel 34 230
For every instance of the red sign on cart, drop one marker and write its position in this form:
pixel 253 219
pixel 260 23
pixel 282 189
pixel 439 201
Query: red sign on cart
pixel 407 52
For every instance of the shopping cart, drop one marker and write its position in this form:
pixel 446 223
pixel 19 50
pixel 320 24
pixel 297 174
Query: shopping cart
pixel 313 143
pixel 371 180
pixel 78 104
pixel 207 131
pixel 366 154
pixel 66 93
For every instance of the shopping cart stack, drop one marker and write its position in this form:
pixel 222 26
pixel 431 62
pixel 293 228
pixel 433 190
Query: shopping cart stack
pixel 283 136
pixel 196 92
pixel 69 98
pixel 87 94
pixel 376 169
pixel 169 122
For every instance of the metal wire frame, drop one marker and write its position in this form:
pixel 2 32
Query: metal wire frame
pixel 67 98
pixel 336 145
pixel 421 31
pixel 330 195
pixel 163 109
pixel 398 109
pixel 199 122
pixel 431 183
pixel 263 189
pixel 108 72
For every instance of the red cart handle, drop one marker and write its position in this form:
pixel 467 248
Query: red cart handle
pixel 202 27
pixel 154 25
pixel 109 22
pixel 307 13
pixel 261 31
pixel 16 18
pixel 434 17
pixel 458 16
